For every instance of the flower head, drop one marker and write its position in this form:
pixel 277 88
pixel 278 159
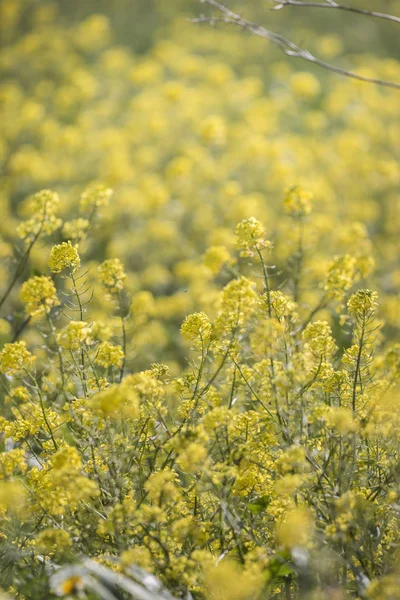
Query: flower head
pixel 53 542
pixel 15 357
pixel 297 202
pixel 216 257
pixel 43 202
pixel 75 229
pixel 41 209
pixel 196 327
pixel 109 355
pixel 96 195
pixel 250 236
pixel 74 335
pixel 318 338
pixel 213 130
pixel 362 303
pixel 64 256
pixel 341 275
pixel 39 295
pixel 112 274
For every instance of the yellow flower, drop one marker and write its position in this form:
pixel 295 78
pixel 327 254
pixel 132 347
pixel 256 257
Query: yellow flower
pixel 64 256
pixel 281 305
pixel 341 419
pixel 362 303
pixel 15 357
pixel 341 275
pixel 297 202
pixel 296 528
pixel 112 274
pixel 213 130
pixel 192 457
pixel 216 257
pixel 35 225
pixel 196 327
pixel 162 486
pixel 39 295
pixel 109 355
pixel 43 202
pixel 75 229
pixel 305 85
pixel 250 236
pixel 227 579
pixel 74 335
pixel 318 338
pixel 53 542
pixel 96 195
pixel 41 208
pixel 13 496
pixel 101 331
pixel 238 302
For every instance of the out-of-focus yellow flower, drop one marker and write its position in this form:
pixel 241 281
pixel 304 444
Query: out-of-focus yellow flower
pixel 39 295
pixel 109 355
pixel 305 85
pixel 15 358
pixel 74 335
pixel 297 202
pixel 296 529
pixel 95 196
pixel 112 274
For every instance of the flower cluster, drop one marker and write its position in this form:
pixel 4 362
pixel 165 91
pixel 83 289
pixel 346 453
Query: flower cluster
pixel 261 460
pixel 15 358
pixel 297 202
pixel 39 295
pixel 112 274
pixel 64 256
pixel 250 237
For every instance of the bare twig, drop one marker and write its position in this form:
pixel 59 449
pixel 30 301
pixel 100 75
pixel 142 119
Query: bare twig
pixel 331 4
pixel 288 47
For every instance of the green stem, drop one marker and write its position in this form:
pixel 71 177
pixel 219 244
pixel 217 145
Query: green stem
pixel 123 336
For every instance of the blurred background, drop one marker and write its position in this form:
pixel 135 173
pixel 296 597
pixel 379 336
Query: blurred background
pixel 196 128
pixel 139 23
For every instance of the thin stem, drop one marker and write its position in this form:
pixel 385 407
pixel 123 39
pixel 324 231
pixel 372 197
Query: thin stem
pixel 299 262
pixel 271 360
pixel 81 313
pixel 60 357
pixel 121 375
pixel 41 400
pixel 21 266
pixel 232 388
pixel 357 373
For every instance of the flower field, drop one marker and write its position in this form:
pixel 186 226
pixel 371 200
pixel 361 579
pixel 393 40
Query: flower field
pixel 199 314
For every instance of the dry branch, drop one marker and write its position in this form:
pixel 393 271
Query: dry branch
pixel 286 45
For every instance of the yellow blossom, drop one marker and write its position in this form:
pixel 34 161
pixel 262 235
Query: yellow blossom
pixel 362 303
pixel 250 237
pixel 112 274
pixel 64 256
pixel 297 202
pixel 196 327
pixel 96 195
pixel 39 295
pixel 109 355
pixel 15 358
pixel 74 335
